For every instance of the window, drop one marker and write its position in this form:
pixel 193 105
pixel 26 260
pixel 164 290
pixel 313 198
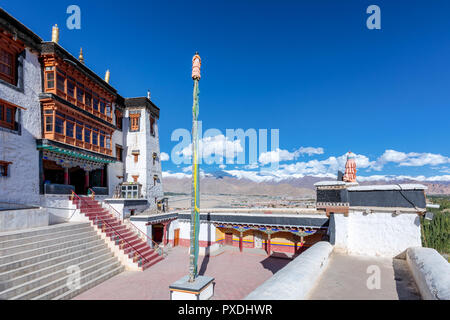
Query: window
pixel 79 131
pixel 59 125
pixel 50 77
pixel 60 82
pixel 102 106
pixel 102 141
pixel 88 98
pixel 70 87
pixel 108 110
pixel 7 65
pixel 95 138
pixel 95 102
pixel 49 123
pixel 118 119
pixel 152 125
pixel 130 191
pixel 4 168
pixel 119 151
pixel 7 115
pixel 80 92
pixel 87 135
pixel 134 121
pixel 69 129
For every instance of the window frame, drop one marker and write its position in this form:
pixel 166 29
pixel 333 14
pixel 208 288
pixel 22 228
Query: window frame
pixel 11 125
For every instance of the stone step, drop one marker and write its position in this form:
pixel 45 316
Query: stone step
pixel 28 282
pixel 98 248
pixel 151 263
pixel 36 238
pixel 48 249
pixel 48 242
pixel 58 286
pixel 17 264
pixel 87 284
pixel 11 235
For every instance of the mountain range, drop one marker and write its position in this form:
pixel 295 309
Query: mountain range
pixel 221 182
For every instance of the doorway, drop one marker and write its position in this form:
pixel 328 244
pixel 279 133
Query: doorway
pixel 258 239
pixel 229 239
pixel 176 237
pixel 157 233
pixel 77 179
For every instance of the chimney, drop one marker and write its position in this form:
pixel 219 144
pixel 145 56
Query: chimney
pixel 148 94
pixel 80 57
pixel 107 76
pixel 55 34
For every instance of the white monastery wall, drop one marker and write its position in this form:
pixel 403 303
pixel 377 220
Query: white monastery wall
pixel 22 183
pixel 377 233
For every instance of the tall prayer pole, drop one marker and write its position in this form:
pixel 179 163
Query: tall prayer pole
pixel 194 286
pixel 195 197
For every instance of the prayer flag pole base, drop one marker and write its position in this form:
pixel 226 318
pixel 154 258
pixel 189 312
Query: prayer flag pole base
pixel 201 289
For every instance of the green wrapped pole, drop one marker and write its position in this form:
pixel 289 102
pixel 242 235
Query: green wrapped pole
pixel 195 197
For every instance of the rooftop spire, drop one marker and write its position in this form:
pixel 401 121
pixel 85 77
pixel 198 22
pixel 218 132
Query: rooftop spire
pixel 55 34
pixel 107 74
pixel 80 57
pixel 148 94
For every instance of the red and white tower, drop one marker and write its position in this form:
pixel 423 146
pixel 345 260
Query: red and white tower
pixel 350 168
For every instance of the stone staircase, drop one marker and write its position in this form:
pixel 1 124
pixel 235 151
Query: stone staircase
pixel 36 263
pixel 125 238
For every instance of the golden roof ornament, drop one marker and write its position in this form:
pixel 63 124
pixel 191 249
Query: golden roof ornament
pixel 80 57
pixel 196 63
pixel 107 74
pixel 55 34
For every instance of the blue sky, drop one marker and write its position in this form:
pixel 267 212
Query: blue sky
pixel 311 69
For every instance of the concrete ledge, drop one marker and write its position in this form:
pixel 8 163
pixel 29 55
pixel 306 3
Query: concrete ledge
pixel 295 280
pixel 430 271
pixel 19 219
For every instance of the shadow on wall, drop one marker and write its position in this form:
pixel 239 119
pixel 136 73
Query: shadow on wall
pixel 404 282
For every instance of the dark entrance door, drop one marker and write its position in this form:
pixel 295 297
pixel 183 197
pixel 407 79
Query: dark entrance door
pixel 77 179
pixel 229 239
pixel 157 233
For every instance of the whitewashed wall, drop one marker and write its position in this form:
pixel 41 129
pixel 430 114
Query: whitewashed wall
pixel 207 231
pixel 22 183
pixel 377 233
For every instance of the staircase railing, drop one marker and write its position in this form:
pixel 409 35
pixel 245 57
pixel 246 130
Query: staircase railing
pixel 91 194
pixel 75 198
pixel 141 234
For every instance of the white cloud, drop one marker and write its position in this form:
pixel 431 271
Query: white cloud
pixel 164 156
pixel 177 175
pixel 218 145
pixel 411 159
pixel 187 169
pixel 310 150
pixel 277 155
pixel 280 155
pixel 402 177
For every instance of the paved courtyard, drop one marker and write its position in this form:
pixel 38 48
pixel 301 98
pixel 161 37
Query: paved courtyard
pixel 346 277
pixel 236 275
